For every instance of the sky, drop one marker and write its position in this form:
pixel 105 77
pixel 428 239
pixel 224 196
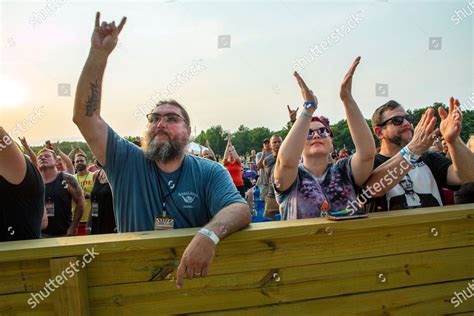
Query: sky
pixel 230 62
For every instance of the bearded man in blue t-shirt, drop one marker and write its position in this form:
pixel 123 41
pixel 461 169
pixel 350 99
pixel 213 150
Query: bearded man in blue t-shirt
pixel 157 186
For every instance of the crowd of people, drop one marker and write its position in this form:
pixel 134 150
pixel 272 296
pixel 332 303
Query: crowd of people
pixel 154 184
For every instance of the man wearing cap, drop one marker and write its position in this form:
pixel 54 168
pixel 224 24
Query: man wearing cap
pixel 271 205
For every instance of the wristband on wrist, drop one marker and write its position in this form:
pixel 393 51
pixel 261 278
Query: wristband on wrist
pixel 408 155
pixel 209 234
pixel 309 104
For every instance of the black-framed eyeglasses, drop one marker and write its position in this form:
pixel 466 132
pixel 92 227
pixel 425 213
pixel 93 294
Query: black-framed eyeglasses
pixel 398 120
pixel 169 118
pixel 323 132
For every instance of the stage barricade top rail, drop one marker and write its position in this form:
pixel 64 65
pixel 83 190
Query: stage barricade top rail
pixel 401 262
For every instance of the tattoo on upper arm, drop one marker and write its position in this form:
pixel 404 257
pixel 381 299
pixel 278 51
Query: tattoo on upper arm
pixel 93 102
pixel 73 187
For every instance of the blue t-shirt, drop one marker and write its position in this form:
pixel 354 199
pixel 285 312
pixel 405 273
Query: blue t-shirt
pixel 199 189
pixel 307 197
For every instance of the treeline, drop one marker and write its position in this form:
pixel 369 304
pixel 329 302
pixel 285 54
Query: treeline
pixel 246 139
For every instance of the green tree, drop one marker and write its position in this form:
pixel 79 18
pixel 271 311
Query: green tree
pixel 217 138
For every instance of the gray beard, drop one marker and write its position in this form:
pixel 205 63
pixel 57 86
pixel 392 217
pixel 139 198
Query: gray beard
pixel 165 152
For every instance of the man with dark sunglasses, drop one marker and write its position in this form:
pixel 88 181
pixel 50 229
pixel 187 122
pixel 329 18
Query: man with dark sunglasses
pixel 158 186
pixel 404 155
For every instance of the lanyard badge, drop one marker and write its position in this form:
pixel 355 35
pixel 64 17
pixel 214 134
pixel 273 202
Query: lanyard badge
pixel 164 221
pixel 95 209
pixel 49 208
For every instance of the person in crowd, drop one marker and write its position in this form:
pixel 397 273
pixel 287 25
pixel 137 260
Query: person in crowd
pixel 262 179
pixel 404 155
pixel 75 150
pixel 233 164
pixel 63 163
pixel 271 205
pixel 27 150
pixel 21 193
pixel 92 167
pixel 158 185
pixel 445 147
pixel 208 153
pixel 343 152
pixel 85 178
pixel 102 217
pixel 437 146
pixel 253 159
pixel 138 141
pixel 466 193
pixel 292 114
pixel 315 188
pixel 60 190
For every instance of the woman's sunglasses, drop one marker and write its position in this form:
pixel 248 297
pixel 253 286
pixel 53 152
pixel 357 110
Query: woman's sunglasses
pixel 398 120
pixel 323 132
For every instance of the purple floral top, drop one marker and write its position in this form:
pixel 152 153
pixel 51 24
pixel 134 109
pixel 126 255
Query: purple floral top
pixel 308 198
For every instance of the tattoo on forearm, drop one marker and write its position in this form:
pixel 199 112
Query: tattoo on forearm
pixel 93 101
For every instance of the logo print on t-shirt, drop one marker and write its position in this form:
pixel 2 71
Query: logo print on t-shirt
pixel 188 199
pixel 171 184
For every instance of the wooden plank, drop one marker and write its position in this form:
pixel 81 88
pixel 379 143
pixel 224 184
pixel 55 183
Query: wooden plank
pixel 290 284
pixel 17 304
pixel 141 266
pixel 433 299
pixel 72 296
pixel 70 246
pixel 23 276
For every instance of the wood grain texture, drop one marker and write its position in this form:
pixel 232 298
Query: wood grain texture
pixel 397 263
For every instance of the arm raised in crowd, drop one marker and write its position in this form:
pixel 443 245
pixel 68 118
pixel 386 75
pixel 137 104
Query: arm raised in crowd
pixel 12 161
pixel 89 88
pixel 65 158
pixel 211 152
pixel 461 171
pixel 76 193
pixel 27 150
pixel 292 114
pixel 362 161
pixel 229 150
pixel 286 167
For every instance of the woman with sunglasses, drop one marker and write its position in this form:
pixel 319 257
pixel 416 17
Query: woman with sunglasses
pixel 316 187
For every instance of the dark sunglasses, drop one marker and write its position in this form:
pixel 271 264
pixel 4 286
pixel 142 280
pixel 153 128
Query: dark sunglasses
pixel 169 118
pixel 398 120
pixel 323 132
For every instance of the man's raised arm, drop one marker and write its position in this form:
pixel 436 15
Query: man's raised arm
pixel 89 88
pixel 12 162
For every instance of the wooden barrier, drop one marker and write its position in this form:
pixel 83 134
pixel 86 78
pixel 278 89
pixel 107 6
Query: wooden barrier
pixel 397 263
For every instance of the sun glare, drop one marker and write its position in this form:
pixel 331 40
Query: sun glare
pixel 12 92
